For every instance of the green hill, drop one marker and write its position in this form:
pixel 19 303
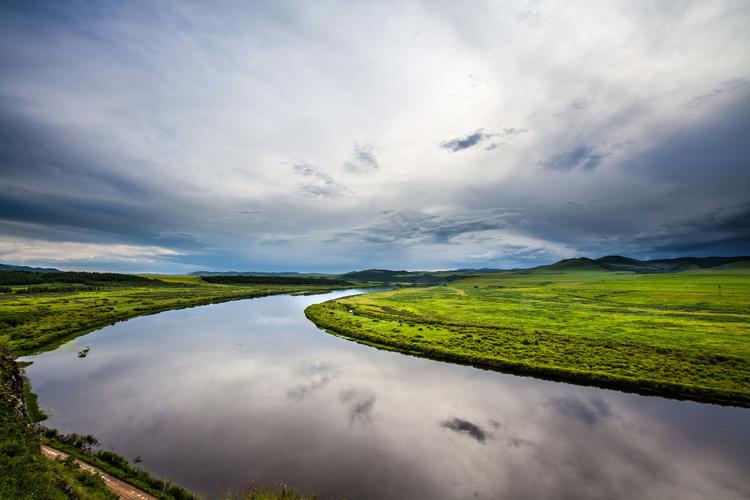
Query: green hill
pixel 576 264
pixel 11 267
pixel 619 263
pixel 412 277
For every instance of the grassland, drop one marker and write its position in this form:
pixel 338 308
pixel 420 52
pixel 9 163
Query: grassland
pixel 683 335
pixel 36 315
pixel 31 321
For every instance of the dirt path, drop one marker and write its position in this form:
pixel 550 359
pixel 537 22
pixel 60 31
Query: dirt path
pixel 121 488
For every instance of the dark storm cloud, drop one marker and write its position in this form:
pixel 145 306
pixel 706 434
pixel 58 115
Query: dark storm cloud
pixel 707 167
pixel 723 231
pixel 711 151
pixel 685 193
pixel 470 140
pixel 465 427
pixel 38 155
pixel 50 179
pixel 728 247
pixel 579 158
pixel 363 159
pixel 734 220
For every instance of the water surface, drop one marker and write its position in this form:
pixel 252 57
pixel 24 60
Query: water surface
pixel 222 396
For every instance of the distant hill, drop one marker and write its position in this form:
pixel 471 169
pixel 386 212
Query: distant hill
pixel 253 273
pixel 414 277
pixel 619 263
pixel 273 280
pixel 483 270
pixel 576 264
pixel 11 267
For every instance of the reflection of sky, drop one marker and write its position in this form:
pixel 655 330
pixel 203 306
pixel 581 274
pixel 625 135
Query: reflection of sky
pixel 220 396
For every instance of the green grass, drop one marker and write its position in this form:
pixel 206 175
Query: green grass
pixel 684 335
pixel 283 492
pixel 117 466
pixel 32 403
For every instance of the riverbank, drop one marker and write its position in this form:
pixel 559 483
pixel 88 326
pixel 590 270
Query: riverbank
pixel 123 490
pixel 24 472
pixel 683 336
pixel 32 323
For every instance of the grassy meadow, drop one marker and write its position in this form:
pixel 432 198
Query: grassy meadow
pixel 684 335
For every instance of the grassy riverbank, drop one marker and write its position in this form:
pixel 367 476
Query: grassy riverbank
pixel 24 472
pixel 33 321
pixel 684 335
pixel 39 313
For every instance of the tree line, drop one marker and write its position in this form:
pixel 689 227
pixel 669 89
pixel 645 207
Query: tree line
pixel 37 278
pixel 272 280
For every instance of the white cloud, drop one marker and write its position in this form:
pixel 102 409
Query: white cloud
pixel 21 250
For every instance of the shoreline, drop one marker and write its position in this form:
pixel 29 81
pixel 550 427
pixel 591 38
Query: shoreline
pixel 186 303
pixel 642 387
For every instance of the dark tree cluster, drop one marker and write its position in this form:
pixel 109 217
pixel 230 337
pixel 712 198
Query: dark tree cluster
pixel 36 278
pixel 272 280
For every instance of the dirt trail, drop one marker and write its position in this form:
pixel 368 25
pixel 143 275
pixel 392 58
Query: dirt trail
pixel 120 488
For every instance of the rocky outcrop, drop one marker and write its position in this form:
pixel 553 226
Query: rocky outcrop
pixel 11 382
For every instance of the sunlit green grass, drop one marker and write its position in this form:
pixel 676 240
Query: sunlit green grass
pixel 684 334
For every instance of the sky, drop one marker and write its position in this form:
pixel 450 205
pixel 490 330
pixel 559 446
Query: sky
pixel 326 136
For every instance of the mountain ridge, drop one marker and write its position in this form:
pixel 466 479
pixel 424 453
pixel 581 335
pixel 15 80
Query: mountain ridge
pixel 653 266
pixel 611 263
pixel 12 267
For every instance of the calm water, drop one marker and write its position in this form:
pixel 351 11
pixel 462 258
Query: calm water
pixel 217 397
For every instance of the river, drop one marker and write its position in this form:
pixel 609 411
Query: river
pixel 225 396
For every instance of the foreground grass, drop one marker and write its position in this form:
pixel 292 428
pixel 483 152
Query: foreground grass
pixel 281 493
pixel 115 465
pixel 684 335
pixel 40 316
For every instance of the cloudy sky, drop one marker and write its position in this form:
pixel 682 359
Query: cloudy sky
pixel 331 136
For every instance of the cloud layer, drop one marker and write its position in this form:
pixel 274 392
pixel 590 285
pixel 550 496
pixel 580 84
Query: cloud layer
pixel 267 136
